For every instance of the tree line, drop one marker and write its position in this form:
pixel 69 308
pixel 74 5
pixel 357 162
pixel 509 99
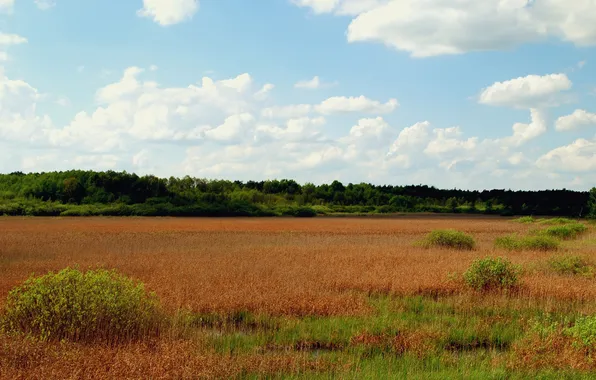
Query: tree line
pixel 78 192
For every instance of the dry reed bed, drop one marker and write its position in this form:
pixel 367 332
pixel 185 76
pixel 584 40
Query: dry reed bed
pixel 321 266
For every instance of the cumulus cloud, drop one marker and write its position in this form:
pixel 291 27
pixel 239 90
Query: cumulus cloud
pixel 579 156
pixel 531 91
pixel 7 39
pixel 439 27
pixel 169 12
pixel 343 104
pixel 577 120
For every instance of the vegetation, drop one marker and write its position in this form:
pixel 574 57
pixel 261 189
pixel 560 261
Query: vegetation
pixel 88 193
pixel 492 274
pixel 566 231
pixel 318 298
pixel 571 265
pixel 449 239
pixel 530 243
pixel 96 305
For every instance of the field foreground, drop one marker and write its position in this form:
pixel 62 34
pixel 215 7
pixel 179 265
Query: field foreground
pixel 316 298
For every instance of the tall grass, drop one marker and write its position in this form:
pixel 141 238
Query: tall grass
pixel 566 231
pixel 527 243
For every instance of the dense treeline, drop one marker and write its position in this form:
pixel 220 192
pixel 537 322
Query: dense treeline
pixel 120 193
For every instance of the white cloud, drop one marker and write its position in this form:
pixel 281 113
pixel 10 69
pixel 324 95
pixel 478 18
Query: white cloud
pixel 169 12
pixel 6 6
pixel 579 156
pixel 7 39
pixel 448 140
pixel 527 92
pixel 578 119
pixel 523 133
pixel 45 4
pixel 264 91
pixel 342 104
pixel 287 112
pixel 413 138
pixel 438 27
pixel 313 84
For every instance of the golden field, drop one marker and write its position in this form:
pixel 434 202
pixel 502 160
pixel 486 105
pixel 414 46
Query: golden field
pixel 334 273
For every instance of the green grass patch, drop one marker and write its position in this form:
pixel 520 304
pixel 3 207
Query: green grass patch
pixel 571 265
pixel 95 305
pixel 527 243
pixel 566 231
pixel 525 219
pixel 449 239
pixel 492 274
pixel 557 221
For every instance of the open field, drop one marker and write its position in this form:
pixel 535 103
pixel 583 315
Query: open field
pixel 316 298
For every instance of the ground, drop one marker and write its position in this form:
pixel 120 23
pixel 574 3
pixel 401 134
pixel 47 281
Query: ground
pixel 310 298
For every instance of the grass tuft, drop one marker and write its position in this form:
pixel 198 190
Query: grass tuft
pixel 96 305
pixel 571 265
pixel 565 232
pixel 449 239
pixel 527 243
pixel 492 274
pixel 525 219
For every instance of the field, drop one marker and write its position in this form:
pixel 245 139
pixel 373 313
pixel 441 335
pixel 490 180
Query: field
pixel 316 298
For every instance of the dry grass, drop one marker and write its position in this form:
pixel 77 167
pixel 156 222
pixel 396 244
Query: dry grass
pixel 276 267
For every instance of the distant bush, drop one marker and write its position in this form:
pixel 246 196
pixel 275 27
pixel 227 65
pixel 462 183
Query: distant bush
pixel 571 265
pixel 299 212
pixel 557 221
pixel 529 243
pixel 449 239
pixel 567 231
pixel 490 273
pixel 525 219
pixel 95 305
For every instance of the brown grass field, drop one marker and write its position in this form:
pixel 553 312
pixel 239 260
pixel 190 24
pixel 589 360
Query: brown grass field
pixel 331 272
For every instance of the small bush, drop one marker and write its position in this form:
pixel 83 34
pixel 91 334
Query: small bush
pixel 583 331
pixel 557 221
pixel 529 243
pixel 571 265
pixel 525 219
pixel 449 239
pixel 489 274
pixel 96 305
pixel 567 231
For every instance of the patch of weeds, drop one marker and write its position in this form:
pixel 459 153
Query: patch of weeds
pixel 449 239
pixel 565 232
pixel 83 306
pixel 557 221
pixel 530 243
pixel 525 219
pixel 492 274
pixel 571 265
pixel 583 331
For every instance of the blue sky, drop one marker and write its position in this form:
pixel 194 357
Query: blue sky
pixel 451 93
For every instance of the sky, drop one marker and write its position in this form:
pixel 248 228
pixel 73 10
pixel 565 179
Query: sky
pixel 460 94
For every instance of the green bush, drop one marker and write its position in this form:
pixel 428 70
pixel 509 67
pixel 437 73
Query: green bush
pixel 529 243
pixel 557 221
pixel 571 265
pixel 525 219
pixel 584 331
pixel 567 231
pixel 83 306
pixel 490 273
pixel 449 239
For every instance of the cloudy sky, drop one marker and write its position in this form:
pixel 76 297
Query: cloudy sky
pixel 452 93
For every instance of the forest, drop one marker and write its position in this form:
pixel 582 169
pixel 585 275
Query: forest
pixel 111 193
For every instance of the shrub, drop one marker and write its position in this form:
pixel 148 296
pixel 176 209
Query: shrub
pixel 567 231
pixel 583 331
pixel 449 239
pixel 519 243
pixel 95 305
pixel 525 219
pixel 489 274
pixel 571 265
pixel 557 221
